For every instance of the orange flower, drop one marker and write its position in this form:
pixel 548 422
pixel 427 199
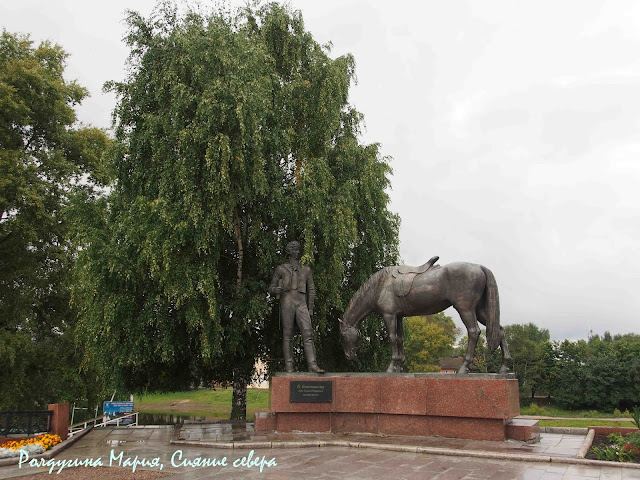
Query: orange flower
pixel 47 441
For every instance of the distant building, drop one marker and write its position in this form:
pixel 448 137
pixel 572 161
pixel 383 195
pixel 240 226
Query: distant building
pixel 259 378
pixel 450 364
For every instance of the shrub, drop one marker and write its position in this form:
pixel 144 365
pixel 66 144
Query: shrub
pixel 620 449
pixel 534 409
pixel 635 416
pixel 525 401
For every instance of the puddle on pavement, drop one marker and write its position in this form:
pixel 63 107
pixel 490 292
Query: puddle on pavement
pixel 117 443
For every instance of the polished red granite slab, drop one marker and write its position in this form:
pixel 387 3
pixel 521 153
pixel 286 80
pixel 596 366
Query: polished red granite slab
pixel 404 396
pixel 472 428
pixel 523 429
pixel 470 406
pixel 472 398
pixel 355 422
pixel 303 422
pixel 415 425
pixel 357 394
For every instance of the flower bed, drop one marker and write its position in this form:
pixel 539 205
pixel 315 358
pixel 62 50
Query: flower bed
pixel 616 447
pixel 32 449
pixel 47 441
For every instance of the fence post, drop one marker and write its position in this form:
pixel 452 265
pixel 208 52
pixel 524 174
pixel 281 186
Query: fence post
pixel 60 420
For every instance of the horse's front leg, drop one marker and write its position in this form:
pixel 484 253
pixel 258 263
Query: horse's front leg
pixel 400 331
pixel 390 322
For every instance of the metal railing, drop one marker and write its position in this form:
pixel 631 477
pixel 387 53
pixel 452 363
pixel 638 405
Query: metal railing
pixel 79 426
pixel 25 422
pixel 118 420
pixel 104 421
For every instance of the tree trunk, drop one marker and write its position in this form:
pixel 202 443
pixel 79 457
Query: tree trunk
pixel 238 232
pixel 239 402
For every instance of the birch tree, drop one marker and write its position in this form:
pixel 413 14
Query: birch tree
pixel 236 136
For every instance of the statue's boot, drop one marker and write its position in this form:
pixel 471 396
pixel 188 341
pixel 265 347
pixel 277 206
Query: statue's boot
pixel 288 354
pixel 310 353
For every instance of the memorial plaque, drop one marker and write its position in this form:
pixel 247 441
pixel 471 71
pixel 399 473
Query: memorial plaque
pixel 310 391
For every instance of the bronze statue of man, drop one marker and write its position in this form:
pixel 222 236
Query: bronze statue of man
pixel 294 284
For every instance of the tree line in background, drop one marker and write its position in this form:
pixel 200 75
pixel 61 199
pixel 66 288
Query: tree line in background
pixel 427 340
pixel 141 263
pixel 600 373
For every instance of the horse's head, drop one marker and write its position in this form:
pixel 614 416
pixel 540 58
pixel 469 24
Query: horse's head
pixel 350 336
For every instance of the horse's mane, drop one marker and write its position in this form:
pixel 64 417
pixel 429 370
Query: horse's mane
pixel 373 282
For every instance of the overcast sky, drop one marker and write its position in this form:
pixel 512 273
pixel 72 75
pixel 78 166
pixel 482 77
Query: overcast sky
pixel 514 128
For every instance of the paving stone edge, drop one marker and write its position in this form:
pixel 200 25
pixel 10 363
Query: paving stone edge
pixel 586 444
pixel 410 449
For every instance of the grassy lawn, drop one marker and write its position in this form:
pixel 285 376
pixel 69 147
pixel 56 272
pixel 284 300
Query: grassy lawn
pixel 578 418
pixel 551 411
pixel 583 423
pixel 200 403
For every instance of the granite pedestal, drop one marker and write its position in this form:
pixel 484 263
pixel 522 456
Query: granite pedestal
pixel 474 406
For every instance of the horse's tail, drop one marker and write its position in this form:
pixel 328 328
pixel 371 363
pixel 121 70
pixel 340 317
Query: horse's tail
pixel 489 310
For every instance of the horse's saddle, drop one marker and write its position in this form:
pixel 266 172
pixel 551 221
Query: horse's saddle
pixel 405 274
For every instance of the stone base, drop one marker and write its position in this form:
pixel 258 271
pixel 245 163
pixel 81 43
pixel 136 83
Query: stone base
pixel 475 406
pixel 523 429
pixel 60 420
pixel 264 422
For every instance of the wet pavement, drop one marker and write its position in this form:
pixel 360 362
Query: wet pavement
pixel 153 446
pixel 237 435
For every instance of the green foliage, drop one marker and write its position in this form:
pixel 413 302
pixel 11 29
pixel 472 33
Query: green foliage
pixel 528 345
pixel 525 400
pixel 534 409
pixel 484 360
pixel 43 157
pixel 631 438
pixel 574 423
pixel 427 338
pixel 555 411
pixel 598 374
pixel 635 415
pixel 235 137
pixel 620 448
pixel 609 454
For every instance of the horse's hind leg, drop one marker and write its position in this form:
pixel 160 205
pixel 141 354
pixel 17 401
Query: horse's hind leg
pixel 506 356
pixel 469 319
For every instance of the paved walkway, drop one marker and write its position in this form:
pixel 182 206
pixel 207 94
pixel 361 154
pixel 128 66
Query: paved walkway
pixel 326 463
pixel 239 435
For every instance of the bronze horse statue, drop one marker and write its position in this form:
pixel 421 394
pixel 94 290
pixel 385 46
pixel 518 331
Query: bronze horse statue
pixel 402 291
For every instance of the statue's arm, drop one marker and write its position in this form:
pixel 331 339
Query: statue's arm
pixel 274 288
pixel 311 292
